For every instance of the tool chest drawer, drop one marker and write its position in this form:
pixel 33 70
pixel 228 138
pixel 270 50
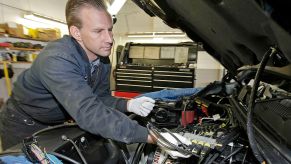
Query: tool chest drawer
pixel 149 78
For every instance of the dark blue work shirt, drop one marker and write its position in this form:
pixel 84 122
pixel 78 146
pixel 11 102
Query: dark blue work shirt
pixel 59 83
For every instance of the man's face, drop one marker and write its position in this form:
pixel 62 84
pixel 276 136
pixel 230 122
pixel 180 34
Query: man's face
pixel 96 32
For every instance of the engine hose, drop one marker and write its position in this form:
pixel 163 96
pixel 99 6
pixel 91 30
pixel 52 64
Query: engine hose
pixel 250 130
pixel 232 154
pixel 138 153
pixel 64 158
pixel 117 148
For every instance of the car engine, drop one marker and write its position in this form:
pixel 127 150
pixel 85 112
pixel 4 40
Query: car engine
pixel 214 120
pixel 207 127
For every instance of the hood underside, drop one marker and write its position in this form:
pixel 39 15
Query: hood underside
pixel 235 32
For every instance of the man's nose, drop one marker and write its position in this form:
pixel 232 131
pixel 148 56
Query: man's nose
pixel 109 37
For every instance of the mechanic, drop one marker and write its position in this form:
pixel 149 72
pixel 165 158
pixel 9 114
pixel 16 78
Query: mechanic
pixel 70 80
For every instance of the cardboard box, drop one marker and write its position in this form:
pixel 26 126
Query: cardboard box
pixel 47 34
pixel 2 30
pixel 136 52
pixel 12 29
pixel 30 32
pixel 152 52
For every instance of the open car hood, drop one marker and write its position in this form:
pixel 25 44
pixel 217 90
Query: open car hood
pixel 235 32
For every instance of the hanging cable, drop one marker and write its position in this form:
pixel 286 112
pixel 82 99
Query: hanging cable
pixel 65 138
pixel 251 104
pixel 63 157
pixel 54 127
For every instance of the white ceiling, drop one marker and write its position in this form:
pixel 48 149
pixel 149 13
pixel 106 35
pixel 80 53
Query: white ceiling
pixel 130 18
pixel 52 8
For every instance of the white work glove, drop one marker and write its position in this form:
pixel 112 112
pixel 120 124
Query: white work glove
pixel 141 106
pixel 174 154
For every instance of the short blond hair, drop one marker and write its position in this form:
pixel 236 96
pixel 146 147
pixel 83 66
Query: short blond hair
pixel 73 8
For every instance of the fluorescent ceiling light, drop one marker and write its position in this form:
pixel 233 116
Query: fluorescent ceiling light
pixel 114 8
pixel 32 24
pixel 158 39
pixel 45 20
pixel 156 35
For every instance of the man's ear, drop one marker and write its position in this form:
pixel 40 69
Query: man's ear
pixel 75 32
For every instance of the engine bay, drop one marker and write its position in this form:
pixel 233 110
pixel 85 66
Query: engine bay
pixel 207 127
pixel 214 121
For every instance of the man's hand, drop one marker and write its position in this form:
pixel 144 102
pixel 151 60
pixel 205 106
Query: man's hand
pixel 141 106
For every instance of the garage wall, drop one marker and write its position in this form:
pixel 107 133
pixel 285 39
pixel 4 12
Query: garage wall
pixel 130 19
pixel 13 11
pixel 123 39
pixel 52 8
pixel 208 69
pixel 17 69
